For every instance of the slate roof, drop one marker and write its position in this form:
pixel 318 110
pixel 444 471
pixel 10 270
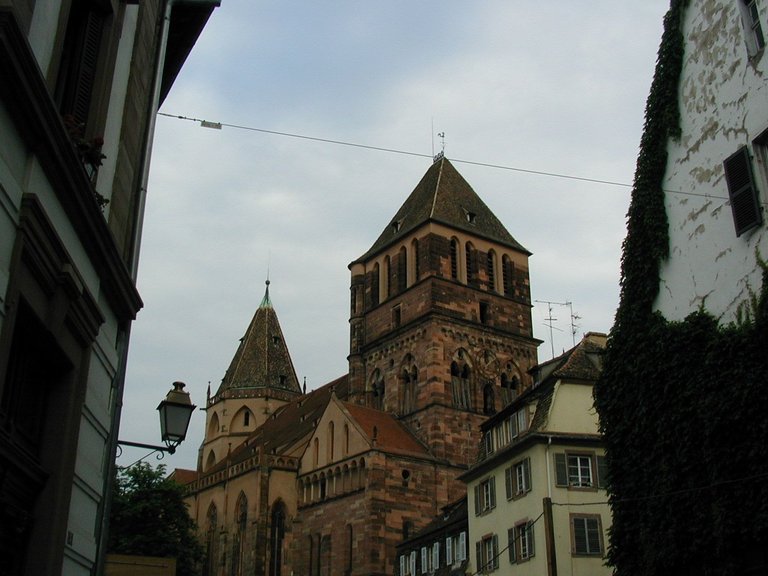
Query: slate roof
pixel 582 362
pixel 262 359
pixel 443 196
pixel 386 433
pixel 287 429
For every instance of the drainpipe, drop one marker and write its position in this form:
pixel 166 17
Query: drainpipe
pixel 118 383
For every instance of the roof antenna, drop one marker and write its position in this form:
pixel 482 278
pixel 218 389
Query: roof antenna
pixel 441 154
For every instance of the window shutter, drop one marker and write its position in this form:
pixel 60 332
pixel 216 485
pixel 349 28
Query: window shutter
pixel 580 535
pixel 461 553
pixel 742 191
pixel 492 481
pixel 478 506
pixel 508 481
pixel 529 532
pixel 527 473
pixel 423 559
pixel 494 562
pixel 448 551
pixel 435 555
pixel 602 471
pixel 561 470
pixel 402 565
pixel 413 563
pixel 479 552
pixel 593 535
pixel 511 545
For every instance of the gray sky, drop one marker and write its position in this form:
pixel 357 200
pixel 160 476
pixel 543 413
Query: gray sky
pixel 556 87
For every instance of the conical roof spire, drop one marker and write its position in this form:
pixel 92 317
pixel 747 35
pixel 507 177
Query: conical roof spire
pixel 262 359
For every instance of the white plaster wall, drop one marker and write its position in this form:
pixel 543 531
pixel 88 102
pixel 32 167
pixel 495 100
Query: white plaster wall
pixel 42 31
pixel 724 105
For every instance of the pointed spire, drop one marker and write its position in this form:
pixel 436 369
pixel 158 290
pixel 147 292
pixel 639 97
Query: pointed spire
pixel 262 359
pixel 266 302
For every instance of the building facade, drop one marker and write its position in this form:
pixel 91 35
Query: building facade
pixel 717 169
pixel 690 332
pixel 440 338
pixel 543 455
pixel 81 81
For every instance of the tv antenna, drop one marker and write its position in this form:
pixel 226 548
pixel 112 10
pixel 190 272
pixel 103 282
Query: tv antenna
pixel 550 320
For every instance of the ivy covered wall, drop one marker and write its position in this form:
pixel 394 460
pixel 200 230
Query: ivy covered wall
pixel 683 405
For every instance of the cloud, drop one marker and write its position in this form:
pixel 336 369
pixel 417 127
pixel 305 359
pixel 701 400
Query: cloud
pixel 555 87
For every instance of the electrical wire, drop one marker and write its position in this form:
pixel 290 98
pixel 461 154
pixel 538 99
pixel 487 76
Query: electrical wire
pixel 219 125
pixel 528 526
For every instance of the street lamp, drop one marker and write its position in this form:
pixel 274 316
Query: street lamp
pixel 175 414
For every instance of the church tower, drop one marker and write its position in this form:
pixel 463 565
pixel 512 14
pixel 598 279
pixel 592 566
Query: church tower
pixel 259 379
pixel 440 322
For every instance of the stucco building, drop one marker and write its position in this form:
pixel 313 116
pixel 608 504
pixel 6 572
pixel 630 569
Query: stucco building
pixel 80 82
pixel 544 445
pixel 440 338
pixel 717 169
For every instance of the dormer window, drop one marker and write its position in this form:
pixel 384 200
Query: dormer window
pixel 470 216
pixel 396 226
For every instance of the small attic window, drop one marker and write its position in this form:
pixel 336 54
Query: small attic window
pixel 396 226
pixel 470 216
pixel 282 379
pixel 276 339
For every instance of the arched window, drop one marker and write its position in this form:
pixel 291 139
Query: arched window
pixel 507 272
pixel 238 540
pixel 414 261
pixel 408 377
pixel 489 400
pixel 350 553
pixel 315 452
pixel 375 285
pixel 377 390
pixel 276 536
pixel 469 261
pixel 491 269
pixel 402 270
pixel 311 548
pixel 460 386
pixel 345 440
pixel 385 278
pixel 210 461
pixel 510 387
pixel 213 425
pixel 330 441
pixel 211 541
pixel 454 259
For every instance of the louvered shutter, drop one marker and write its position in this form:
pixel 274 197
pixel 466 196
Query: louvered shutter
pixel 461 553
pixel 508 482
pixel 742 191
pixel 580 535
pixel 479 553
pixel 448 551
pixel 511 544
pixel 593 535
pixel 478 505
pixel 492 481
pixel 561 470
pixel 435 556
pixel 527 473
pixel 494 560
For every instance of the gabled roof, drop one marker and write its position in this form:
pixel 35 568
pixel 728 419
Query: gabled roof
pixel 384 432
pixel 288 429
pixel 443 196
pixel 580 363
pixel 262 359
